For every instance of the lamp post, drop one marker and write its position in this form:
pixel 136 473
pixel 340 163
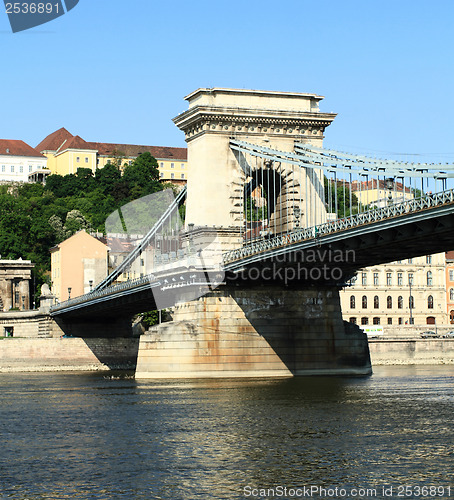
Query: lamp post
pixel 69 292
pixel 389 184
pixel 90 282
pixel 410 279
pixel 297 214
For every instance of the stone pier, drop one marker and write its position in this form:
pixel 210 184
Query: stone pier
pixel 255 332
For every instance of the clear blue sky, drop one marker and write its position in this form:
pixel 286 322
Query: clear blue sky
pixel 117 71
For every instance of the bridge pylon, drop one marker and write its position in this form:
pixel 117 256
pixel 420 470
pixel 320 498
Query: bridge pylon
pixel 219 176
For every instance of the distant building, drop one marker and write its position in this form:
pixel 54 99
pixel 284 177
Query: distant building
pixel 77 265
pixel 15 276
pixel 402 292
pixel 66 153
pixel 19 162
pixel 450 286
pixel 381 192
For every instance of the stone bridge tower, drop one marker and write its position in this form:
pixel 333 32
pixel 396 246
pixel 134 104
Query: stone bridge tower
pixel 216 181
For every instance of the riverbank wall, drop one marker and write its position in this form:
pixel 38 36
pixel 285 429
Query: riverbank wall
pixel 67 354
pixel 411 351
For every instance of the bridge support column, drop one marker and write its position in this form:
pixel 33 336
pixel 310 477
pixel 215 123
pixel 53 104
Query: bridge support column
pixel 255 332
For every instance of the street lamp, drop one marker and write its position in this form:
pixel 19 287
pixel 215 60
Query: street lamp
pixel 69 292
pixel 297 214
pixel 410 302
pixel 90 282
pixel 389 184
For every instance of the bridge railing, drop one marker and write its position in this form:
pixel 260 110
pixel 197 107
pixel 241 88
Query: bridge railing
pixel 374 215
pixel 120 287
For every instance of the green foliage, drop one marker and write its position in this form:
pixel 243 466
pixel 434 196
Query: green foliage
pixel 344 209
pixel 34 218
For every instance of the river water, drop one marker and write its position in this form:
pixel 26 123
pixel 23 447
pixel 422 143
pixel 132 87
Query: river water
pixel 91 436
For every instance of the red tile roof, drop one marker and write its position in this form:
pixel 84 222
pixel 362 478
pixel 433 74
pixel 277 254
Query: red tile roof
pixel 133 150
pixel 53 141
pixel 10 147
pixel 76 143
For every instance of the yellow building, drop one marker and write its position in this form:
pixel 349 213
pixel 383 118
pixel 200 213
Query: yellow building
pixel 379 193
pixel 77 265
pixel 66 153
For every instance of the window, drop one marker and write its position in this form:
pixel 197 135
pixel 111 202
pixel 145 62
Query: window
pixel 3 168
pixel 400 302
pixel 172 165
pixel 182 165
pixel 182 176
pixel 411 302
pixel 410 261
pixel 389 302
pixel 376 302
pixel 376 321
pixel 389 280
pixel 400 321
pixel 352 302
pixel 451 294
pixel 161 165
pixel 451 275
pixel 375 278
pixel 21 168
pixel 430 302
pixel 172 175
pixel 428 259
pixel 78 159
pixel 29 168
pixel 390 321
pixel 161 174
pixel 12 168
pixel 364 302
pixel 353 320
pixel 86 160
pixel 412 321
pixel 142 262
pixel 410 278
pixel 364 279
pixel 429 278
pixel 364 321
pixel 400 280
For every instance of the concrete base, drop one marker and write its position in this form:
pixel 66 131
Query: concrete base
pixel 259 332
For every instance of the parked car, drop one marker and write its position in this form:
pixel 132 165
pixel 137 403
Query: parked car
pixel 429 335
pixel 449 335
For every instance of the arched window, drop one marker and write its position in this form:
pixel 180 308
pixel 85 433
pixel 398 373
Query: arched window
pixel 430 302
pixel 352 302
pixel 364 303
pixel 411 302
pixel 451 317
pixel 429 278
pixel 451 294
pixel 364 321
pixel 389 302
pixel 376 302
pixel 400 302
pixel 353 320
pixel 376 321
pixel 430 320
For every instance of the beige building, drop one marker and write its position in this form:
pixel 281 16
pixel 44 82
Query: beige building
pixel 77 265
pixel 15 276
pixel 66 153
pixel 408 292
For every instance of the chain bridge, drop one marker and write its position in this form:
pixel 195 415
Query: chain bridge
pixel 274 226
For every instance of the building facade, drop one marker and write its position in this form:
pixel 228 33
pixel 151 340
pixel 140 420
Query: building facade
pixel 399 293
pixel 15 277
pixel 450 286
pixel 77 265
pixel 19 162
pixel 66 153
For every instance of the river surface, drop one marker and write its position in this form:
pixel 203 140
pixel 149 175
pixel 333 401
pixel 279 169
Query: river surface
pixel 90 436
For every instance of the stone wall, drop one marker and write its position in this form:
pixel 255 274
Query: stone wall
pixel 28 324
pixel 61 354
pixel 411 352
